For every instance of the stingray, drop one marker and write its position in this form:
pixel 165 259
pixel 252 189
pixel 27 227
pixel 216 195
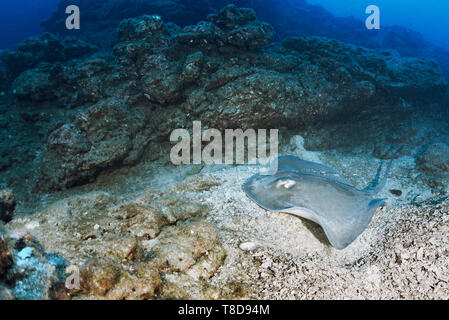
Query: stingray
pixel 318 193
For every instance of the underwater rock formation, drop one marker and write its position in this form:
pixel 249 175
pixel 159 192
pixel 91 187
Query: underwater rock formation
pixel 288 17
pixel 299 18
pixel 5 252
pixel 97 139
pixel 410 78
pixel 111 13
pixel 3 81
pixel 160 77
pixel 139 228
pixel 434 159
pixel 7 205
pixel 26 271
pixel 143 247
pixel 44 48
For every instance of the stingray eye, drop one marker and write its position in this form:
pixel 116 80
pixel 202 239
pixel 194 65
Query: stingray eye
pixel 287 184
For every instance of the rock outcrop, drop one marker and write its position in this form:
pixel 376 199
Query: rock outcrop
pixel 143 247
pixel 44 48
pixel 160 77
pixel 290 18
pixel 7 205
pixel 5 252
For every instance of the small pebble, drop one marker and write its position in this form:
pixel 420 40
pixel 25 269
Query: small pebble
pixel 396 193
pixel 25 253
pixel 32 225
pixel 96 227
pixel 248 246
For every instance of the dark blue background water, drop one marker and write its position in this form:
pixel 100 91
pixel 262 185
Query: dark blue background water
pixel 20 19
pixel 430 17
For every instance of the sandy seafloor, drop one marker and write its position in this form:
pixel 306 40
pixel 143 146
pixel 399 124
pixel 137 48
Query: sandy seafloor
pixel 403 254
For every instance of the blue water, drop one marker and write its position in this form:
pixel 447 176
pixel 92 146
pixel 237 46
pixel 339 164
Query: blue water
pixel 20 19
pixel 429 17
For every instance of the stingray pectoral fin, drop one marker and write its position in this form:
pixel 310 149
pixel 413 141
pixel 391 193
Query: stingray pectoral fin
pixel 302 213
pixel 342 234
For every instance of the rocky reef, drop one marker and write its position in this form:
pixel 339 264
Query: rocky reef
pixel 111 13
pixel 290 18
pixel 85 145
pixel 124 247
pixel 7 205
pixel 160 77
pixel 45 48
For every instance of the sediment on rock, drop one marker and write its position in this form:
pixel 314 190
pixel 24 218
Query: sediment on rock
pixel 128 249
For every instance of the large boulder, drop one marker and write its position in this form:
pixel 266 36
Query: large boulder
pixel 231 26
pixel 7 205
pixel 5 252
pixel 112 12
pixel 242 29
pixel 35 84
pixel 43 48
pixel 418 79
pixel 106 135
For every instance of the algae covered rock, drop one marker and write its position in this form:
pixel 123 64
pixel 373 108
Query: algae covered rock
pixel 162 83
pixel 242 28
pixel 232 26
pixel 434 159
pixel 126 248
pixel 74 48
pixel 5 252
pixel 43 48
pixel 417 80
pixel 112 12
pixel 134 29
pixel 35 85
pixel 160 77
pixel 99 138
pixel 26 271
pixel 7 205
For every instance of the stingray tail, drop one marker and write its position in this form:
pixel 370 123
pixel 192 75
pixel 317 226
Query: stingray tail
pixel 377 185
